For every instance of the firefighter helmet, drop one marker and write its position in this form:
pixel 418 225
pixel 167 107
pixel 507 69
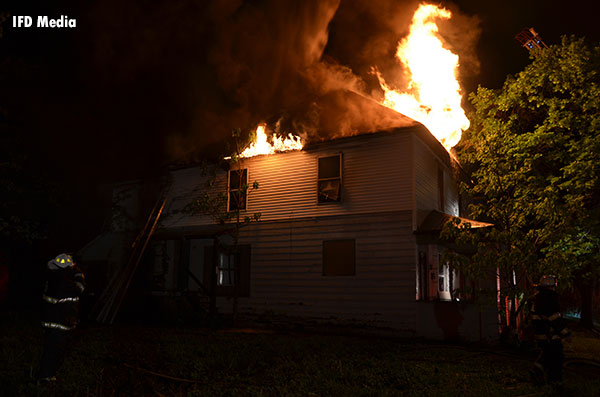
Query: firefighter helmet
pixel 60 262
pixel 547 281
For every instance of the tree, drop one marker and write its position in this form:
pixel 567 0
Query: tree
pixel 213 202
pixel 533 154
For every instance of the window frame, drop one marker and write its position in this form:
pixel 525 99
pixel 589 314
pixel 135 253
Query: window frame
pixel 451 278
pixel 339 178
pixel 245 171
pixel 244 256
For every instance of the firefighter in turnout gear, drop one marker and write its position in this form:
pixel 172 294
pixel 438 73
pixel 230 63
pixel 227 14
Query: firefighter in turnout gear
pixel 65 282
pixel 550 329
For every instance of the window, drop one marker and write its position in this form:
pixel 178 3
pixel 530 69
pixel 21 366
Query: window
pixel 330 179
pixel 226 269
pixel 238 181
pixel 227 280
pixel 448 280
pixel 422 277
pixel 339 258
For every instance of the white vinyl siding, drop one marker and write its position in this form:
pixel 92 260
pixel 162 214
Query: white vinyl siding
pixel 377 178
pixel 426 183
pixel 287 273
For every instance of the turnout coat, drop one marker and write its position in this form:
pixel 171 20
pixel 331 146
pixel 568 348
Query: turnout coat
pixel 60 302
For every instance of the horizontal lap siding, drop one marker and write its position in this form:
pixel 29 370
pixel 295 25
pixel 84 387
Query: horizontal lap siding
pixel 376 177
pixel 286 272
pixel 426 183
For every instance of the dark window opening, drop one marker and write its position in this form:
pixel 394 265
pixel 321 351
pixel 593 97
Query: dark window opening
pixel 238 186
pixel 339 258
pixel 330 179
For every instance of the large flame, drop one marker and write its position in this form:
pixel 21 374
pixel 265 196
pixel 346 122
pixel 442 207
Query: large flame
pixel 434 98
pixel 280 144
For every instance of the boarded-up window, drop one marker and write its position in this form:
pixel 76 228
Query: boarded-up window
pixel 339 258
pixel 330 179
pixel 238 183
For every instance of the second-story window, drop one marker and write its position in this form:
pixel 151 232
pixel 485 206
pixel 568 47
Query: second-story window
pixel 330 179
pixel 238 181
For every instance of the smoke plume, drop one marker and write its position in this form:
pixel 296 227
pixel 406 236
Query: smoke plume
pixel 193 71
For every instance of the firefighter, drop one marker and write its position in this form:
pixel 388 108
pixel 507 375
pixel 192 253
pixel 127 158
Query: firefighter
pixel 65 282
pixel 550 329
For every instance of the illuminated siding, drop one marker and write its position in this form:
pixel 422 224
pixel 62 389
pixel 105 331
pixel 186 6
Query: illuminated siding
pixel 287 268
pixel 426 182
pixel 376 178
pixel 385 177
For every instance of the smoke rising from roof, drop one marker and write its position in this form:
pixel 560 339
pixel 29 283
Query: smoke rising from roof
pixel 193 71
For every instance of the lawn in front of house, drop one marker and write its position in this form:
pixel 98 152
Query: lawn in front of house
pixel 175 361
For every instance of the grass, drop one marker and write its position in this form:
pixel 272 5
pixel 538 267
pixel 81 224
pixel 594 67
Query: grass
pixel 142 361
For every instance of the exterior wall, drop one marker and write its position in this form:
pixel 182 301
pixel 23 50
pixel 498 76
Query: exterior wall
pixel 390 182
pixel 427 197
pixel 451 206
pixel 286 269
pixel 456 321
pixel 376 177
pixel 126 206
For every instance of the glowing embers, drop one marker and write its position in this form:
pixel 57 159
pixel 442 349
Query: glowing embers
pixel 433 96
pixel 261 144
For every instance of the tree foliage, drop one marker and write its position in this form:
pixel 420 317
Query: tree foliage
pixel 533 155
pixel 210 200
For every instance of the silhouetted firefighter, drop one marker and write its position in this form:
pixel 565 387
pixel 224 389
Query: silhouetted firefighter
pixel 550 329
pixel 65 283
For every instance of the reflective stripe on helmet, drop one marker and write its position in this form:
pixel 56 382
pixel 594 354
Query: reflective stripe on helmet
pixel 52 300
pixel 56 326
pixel 555 337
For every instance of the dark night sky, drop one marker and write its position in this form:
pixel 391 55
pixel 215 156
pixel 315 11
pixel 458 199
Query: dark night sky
pixel 139 83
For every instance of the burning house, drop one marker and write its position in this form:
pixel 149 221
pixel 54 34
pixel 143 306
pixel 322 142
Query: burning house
pixel 347 231
pixel 344 228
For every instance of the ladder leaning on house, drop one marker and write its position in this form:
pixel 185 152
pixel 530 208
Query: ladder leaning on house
pixel 113 295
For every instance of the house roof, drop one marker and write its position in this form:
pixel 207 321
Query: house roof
pixel 435 221
pixel 346 115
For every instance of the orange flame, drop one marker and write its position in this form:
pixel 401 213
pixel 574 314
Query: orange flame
pixel 435 100
pixel 280 144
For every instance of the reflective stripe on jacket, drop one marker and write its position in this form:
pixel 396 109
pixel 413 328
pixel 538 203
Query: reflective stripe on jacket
pixel 52 300
pixel 60 301
pixel 47 324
